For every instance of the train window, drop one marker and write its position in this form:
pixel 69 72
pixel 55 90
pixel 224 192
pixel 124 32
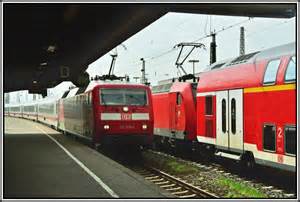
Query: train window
pixel 167 87
pixel 154 89
pixel 123 96
pixel 290 140
pixel 208 105
pixel 271 72
pixel 269 137
pixel 290 74
pixel 233 116
pixel 159 88
pixel 178 99
pixel 223 115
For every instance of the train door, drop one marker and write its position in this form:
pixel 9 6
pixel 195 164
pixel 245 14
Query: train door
pixel 61 117
pixel 230 120
pixel 222 137
pixel 179 112
pixel 90 115
pixel 172 111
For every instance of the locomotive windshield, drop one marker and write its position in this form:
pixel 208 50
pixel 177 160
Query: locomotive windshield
pixel 121 96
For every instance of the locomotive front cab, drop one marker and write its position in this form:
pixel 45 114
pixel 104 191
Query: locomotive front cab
pixel 125 114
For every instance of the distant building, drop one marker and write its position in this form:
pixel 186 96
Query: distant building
pixel 6 98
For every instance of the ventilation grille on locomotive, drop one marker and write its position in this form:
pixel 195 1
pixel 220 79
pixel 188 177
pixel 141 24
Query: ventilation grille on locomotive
pixel 242 59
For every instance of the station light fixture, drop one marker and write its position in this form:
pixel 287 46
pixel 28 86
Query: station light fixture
pixel 43 64
pixel 51 49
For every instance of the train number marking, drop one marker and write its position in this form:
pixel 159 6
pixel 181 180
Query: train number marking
pixel 126 116
pixel 279 158
pixel 279 131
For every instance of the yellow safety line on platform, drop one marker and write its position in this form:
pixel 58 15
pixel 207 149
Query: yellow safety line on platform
pixel 86 169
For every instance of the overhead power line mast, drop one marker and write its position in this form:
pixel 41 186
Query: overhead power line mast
pixel 242 41
pixel 213 49
pixel 143 78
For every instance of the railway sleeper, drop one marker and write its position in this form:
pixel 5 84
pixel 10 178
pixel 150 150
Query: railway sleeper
pixel 151 177
pixel 160 183
pixel 173 189
pixel 158 180
pixel 188 196
pixel 181 192
pixel 169 185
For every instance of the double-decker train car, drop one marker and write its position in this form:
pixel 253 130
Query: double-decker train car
pixel 106 112
pixel 174 106
pixel 246 108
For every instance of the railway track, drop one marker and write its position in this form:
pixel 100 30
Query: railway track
pixel 190 186
pixel 272 189
pixel 176 186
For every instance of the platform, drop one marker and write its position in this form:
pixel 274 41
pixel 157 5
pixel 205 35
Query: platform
pixel 40 162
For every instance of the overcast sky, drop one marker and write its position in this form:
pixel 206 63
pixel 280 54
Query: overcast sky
pixel 161 36
pixel 173 28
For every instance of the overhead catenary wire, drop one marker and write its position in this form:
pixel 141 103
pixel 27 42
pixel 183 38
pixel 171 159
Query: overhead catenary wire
pixel 203 37
pixel 250 34
pixel 174 48
pixel 170 50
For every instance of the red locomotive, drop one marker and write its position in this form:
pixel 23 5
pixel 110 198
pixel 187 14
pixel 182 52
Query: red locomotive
pixel 246 108
pixel 174 106
pixel 105 112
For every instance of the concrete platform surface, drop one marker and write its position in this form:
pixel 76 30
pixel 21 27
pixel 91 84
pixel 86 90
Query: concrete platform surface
pixel 40 162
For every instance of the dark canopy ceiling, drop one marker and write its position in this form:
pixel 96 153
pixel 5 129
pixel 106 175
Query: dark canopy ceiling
pixel 40 40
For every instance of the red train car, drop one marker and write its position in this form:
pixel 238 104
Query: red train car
pixel 174 106
pixel 246 108
pixel 107 112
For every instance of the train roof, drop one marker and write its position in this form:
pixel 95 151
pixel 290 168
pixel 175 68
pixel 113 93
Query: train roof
pixel 171 87
pixel 274 52
pixel 243 75
pixel 94 83
pixel 33 102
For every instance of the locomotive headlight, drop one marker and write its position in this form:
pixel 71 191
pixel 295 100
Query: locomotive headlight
pixel 144 126
pixel 106 127
pixel 125 109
